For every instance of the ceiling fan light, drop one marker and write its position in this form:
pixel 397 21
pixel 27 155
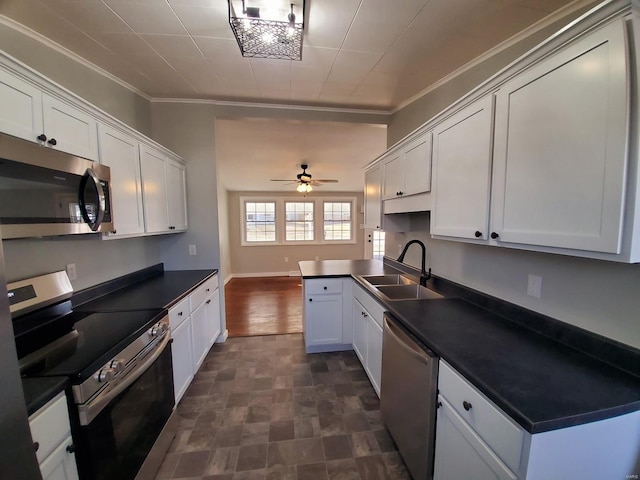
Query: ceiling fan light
pixel 304 188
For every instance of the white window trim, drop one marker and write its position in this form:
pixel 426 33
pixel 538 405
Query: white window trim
pixel 318 219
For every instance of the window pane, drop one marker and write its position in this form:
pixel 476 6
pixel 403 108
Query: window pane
pixel 337 221
pixel 378 244
pixel 299 221
pixel 260 221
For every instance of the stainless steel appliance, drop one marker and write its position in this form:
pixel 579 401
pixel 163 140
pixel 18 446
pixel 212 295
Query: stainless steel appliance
pixel 408 397
pixel 119 365
pixel 17 455
pixel 46 192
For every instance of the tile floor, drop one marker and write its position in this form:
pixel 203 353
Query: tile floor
pixel 261 408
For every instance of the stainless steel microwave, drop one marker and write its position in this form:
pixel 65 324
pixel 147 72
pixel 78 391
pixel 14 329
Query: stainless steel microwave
pixel 45 192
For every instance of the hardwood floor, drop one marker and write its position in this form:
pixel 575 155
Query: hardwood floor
pixel 263 306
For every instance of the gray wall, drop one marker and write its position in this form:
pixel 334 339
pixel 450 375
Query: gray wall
pixel 189 131
pixel 113 98
pixel 247 260
pixel 603 297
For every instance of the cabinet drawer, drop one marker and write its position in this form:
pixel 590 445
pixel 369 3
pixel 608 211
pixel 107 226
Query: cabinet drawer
pixel 179 313
pixel 201 293
pixel 369 303
pixel 323 285
pixel 502 435
pixel 50 426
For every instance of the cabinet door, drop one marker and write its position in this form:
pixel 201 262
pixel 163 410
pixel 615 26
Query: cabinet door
pixel 176 195
pixel 359 332
pixel 374 352
pixel 393 176
pixel 324 319
pixel 460 453
pixel 61 464
pixel 462 172
pixel 74 131
pixel 212 305
pixel 417 165
pixel 561 147
pixel 199 335
pixel 182 356
pixel 21 112
pixel 154 190
pixel 373 198
pixel 120 153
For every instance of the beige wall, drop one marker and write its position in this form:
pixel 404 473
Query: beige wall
pixel 113 98
pixel 270 260
pixel 599 296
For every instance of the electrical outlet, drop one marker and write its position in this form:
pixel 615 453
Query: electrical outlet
pixel 286 259
pixel 192 249
pixel 534 286
pixel 71 271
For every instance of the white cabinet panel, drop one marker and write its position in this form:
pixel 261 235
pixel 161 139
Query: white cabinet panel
pixel 176 196
pixel 417 165
pixel 154 189
pixel 72 130
pixel 359 332
pixel 214 328
pixel 561 148
pixel 461 453
pixel 462 172
pixel 374 353
pixel 373 198
pixel 21 112
pixel 323 314
pixel 61 464
pixel 200 342
pixel 182 356
pixel 393 177
pixel 120 153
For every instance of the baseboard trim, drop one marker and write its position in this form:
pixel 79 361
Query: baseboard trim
pixel 223 336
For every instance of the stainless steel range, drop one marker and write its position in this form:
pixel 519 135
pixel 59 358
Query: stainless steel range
pixel 119 365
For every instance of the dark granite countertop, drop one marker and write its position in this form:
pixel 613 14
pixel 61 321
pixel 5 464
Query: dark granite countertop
pixel 342 268
pixel 539 382
pixel 38 391
pixel 159 291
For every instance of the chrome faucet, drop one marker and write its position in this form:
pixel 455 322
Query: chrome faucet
pixel 424 275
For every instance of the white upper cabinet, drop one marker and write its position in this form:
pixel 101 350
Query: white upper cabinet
pixel 69 129
pixel 462 172
pixel 154 188
pixel 21 112
pixel 176 195
pixel 561 143
pixel 373 198
pixel 29 113
pixel 407 170
pixel 164 192
pixel 120 153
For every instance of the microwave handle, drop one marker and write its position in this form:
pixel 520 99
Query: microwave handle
pixel 91 175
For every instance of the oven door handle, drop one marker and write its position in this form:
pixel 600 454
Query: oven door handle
pixel 92 408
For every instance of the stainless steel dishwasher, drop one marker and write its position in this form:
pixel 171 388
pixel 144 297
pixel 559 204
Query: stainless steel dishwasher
pixel 408 397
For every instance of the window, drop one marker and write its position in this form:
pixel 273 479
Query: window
pixel 290 220
pixel 378 244
pixel 299 221
pixel 260 221
pixel 337 221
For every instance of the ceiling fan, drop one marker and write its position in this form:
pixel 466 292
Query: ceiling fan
pixel 305 180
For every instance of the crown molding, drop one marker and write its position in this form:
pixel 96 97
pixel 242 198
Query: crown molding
pixel 536 27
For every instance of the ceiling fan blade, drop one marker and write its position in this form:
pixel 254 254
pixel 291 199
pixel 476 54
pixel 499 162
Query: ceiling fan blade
pixel 282 180
pixel 327 180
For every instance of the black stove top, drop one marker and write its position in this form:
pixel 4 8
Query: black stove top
pixel 81 342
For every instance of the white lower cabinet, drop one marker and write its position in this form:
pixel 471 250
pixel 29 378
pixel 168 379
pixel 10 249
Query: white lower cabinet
pixel 182 356
pixel 476 439
pixel 461 453
pixel 367 334
pixel 195 326
pixel 326 316
pixel 51 432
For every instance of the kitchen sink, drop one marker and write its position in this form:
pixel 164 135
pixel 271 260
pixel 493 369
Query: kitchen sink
pixel 407 292
pixel 391 279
